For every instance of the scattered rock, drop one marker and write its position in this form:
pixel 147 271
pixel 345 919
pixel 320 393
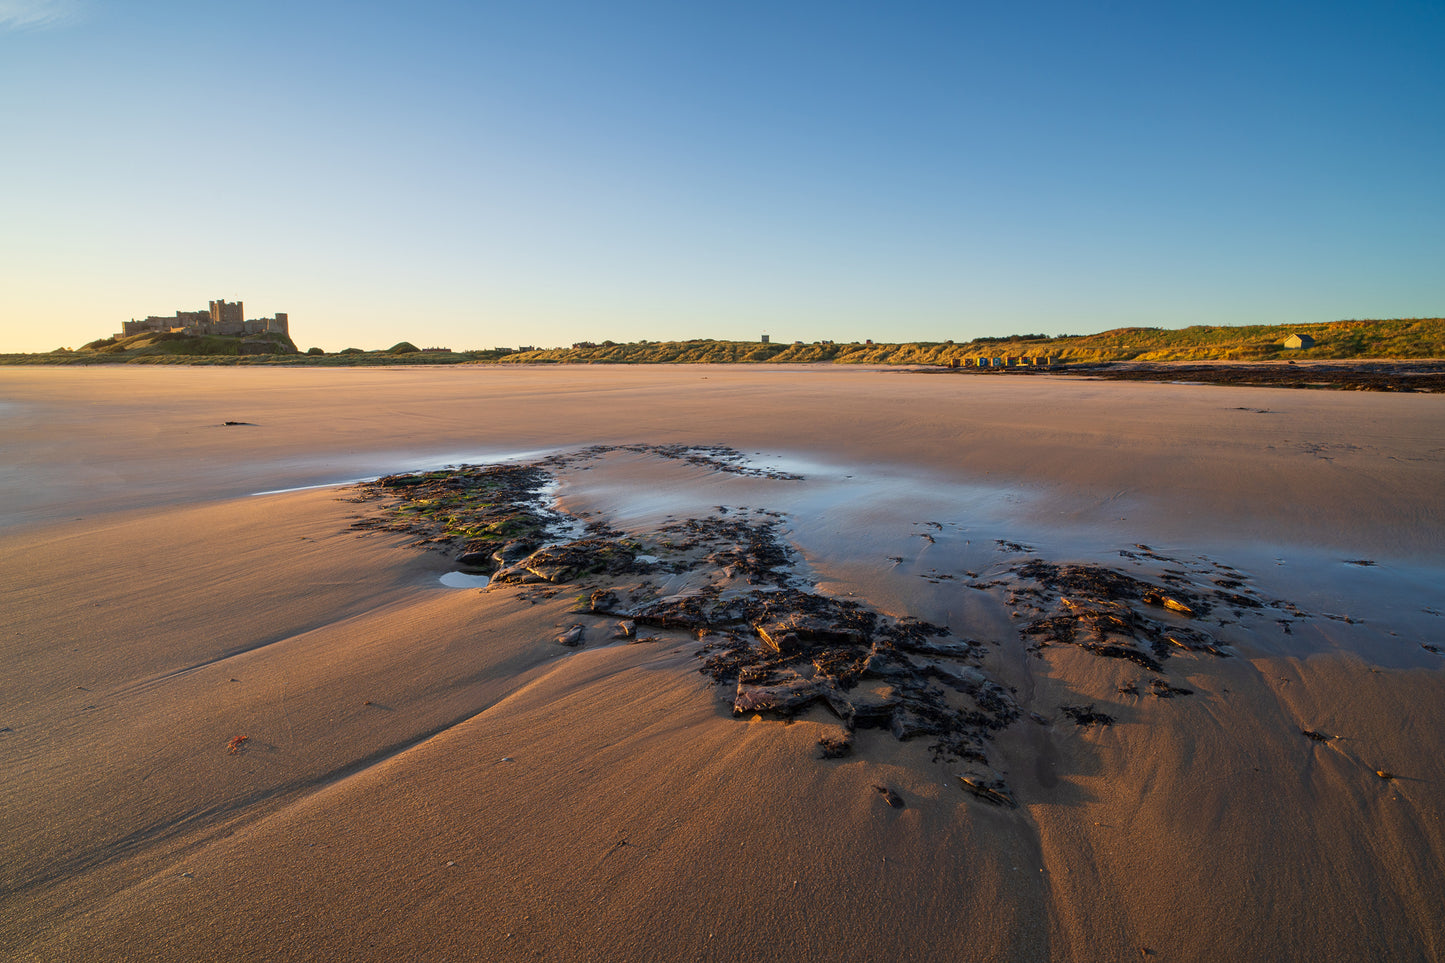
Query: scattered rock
pixel 1316 735
pixel 1165 601
pixel 1086 716
pixel 1163 690
pixel 890 797
pixel 990 787
pixel 777 648
pixel 835 744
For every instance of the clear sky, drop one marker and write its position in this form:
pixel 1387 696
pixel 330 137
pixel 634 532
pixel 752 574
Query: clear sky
pixel 540 172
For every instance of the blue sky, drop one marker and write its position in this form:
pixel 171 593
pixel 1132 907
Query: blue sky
pixel 479 174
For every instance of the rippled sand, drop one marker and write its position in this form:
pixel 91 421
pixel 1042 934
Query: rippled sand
pixel 428 775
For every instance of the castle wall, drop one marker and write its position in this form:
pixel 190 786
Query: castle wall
pixel 226 318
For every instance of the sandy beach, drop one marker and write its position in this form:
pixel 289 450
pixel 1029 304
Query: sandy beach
pixel 427 774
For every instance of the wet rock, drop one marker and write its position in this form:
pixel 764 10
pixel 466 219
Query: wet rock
pixel 1126 652
pixel 1167 602
pixel 950 649
pixel 477 560
pixel 674 612
pixel 906 723
pixel 516 575
pixel 574 560
pixel 602 602
pixel 780 648
pixel 789 632
pixel 512 552
pixel 475 509
pixel 1195 642
pixel 865 706
pixel 784 698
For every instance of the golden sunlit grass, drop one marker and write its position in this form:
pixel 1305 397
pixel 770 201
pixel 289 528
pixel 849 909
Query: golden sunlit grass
pixel 1396 338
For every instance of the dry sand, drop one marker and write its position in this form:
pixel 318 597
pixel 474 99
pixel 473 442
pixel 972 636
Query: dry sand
pixel 429 776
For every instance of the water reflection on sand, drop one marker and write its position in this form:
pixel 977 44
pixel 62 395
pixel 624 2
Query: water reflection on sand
pixel 913 542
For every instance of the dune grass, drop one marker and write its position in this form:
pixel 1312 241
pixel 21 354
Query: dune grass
pixel 1399 338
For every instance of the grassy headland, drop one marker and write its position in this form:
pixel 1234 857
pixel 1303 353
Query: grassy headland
pixel 1398 338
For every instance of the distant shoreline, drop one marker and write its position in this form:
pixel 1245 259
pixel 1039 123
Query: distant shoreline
pixel 1355 341
pixel 1371 374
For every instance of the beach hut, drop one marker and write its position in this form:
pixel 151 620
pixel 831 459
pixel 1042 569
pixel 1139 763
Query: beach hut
pixel 1296 341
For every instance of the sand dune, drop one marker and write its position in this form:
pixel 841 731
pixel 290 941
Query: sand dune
pixel 427 774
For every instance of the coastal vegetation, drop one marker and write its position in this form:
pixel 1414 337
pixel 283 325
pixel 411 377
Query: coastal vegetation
pixel 1400 338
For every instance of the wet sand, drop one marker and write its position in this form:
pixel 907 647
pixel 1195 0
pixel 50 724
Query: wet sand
pixel 427 774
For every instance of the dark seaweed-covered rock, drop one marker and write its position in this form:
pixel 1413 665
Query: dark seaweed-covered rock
pixel 785 698
pixel 674 612
pixel 570 561
pixel 778 648
pixel 1105 611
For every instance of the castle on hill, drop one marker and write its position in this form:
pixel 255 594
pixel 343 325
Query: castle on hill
pixel 227 318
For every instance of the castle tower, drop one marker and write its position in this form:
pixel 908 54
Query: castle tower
pixel 223 312
pixel 228 318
